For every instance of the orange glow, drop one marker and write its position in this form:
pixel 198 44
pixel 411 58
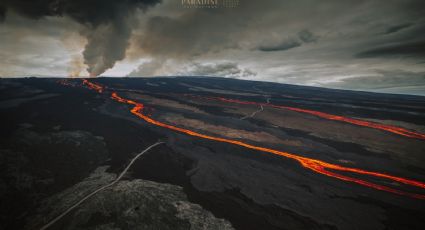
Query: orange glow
pixel 93 86
pixel 317 166
pixel 388 128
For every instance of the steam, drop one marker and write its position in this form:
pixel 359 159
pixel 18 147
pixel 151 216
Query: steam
pixel 105 45
pixel 76 66
pixel 106 23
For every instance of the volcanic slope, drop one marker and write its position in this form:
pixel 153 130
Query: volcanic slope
pixel 251 189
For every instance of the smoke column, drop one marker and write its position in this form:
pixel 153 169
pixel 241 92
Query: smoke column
pixel 107 26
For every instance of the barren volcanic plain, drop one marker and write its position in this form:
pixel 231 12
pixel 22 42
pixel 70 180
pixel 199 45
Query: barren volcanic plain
pixel 237 155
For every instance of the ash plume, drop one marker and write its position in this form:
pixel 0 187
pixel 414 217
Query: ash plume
pixel 107 25
pixel 76 66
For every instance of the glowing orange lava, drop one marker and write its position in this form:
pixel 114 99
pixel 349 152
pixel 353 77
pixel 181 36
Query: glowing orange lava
pixel 317 166
pixel 93 86
pixel 388 128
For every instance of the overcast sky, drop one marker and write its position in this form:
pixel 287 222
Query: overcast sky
pixel 362 45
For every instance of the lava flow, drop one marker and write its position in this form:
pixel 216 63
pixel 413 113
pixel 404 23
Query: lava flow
pixel 388 128
pixel 93 86
pixel 317 166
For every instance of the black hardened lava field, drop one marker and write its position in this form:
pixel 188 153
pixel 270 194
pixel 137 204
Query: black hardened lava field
pixel 235 155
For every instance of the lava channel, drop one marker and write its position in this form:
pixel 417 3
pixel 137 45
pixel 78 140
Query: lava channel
pixel 93 86
pixel 387 128
pixel 314 165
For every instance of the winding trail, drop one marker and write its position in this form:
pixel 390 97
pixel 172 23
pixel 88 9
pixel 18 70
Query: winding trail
pixel 318 166
pixel 99 189
pixel 253 113
pixel 256 111
pixel 267 97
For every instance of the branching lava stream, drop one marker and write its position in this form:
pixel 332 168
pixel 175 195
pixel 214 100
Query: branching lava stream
pixel 315 165
pixel 93 86
pixel 374 125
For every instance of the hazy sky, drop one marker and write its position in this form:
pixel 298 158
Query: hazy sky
pixel 363 45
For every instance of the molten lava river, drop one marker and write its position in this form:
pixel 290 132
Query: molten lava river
pixel 388 128
pixel 318 166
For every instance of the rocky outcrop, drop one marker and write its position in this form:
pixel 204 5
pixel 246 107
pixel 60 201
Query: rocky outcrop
pixel 136 204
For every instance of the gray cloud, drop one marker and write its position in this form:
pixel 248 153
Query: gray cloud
pixel 148 69
pixel 409 49
pixel 396 28
pixel 307 36
pixel 225 69
pixel 187 35
pixel 304 36
pixel 387 81
pixel 163 68
pixel 323 43
pixel 184 33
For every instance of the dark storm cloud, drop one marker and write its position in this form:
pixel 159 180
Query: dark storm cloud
pixel 107 26
pixel 304 36
pixel 405 40
pixel 285 45
pixel 410 49
pixel 307 36
pixel 396 28
pixel 2 13
pixel 93 12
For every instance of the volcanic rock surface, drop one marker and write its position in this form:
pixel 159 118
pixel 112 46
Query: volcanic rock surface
pixel 62 139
